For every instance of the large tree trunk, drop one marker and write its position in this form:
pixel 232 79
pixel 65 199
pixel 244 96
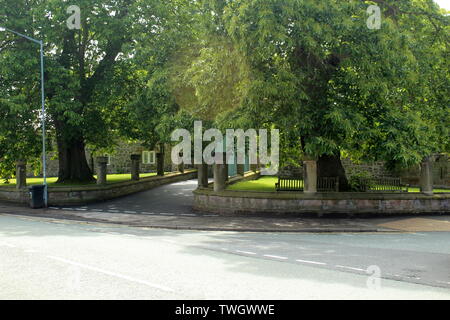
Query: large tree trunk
pixel 331 166
pixel 73 166
pixel 160 157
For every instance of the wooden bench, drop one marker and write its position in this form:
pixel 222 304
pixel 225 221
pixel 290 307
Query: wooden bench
pixel 329 184
pixel 289 184
pixel 385 184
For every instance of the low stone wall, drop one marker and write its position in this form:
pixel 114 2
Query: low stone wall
pixel 82 195
pixel 14 195
pixel 239 202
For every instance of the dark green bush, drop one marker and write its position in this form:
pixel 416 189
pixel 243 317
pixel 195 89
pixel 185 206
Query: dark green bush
pixel 360 182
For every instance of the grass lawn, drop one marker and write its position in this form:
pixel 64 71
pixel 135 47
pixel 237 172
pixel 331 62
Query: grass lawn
pixel 267 184
pixel 111 179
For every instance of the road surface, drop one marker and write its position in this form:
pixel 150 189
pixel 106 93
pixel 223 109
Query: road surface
pixel 49 259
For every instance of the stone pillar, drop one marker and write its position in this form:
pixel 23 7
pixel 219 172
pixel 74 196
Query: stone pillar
pixel 240 169
pixel 219 177
pixel 160 163
pixel 310 176
pixel 135 166
pixel 202 175
pixel 102 163
pixel 181 165
pixel 225 172
pixel 21 174
pixel 255 167
pixel 426 176
pixel 226 167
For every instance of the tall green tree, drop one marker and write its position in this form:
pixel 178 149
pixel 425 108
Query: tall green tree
pixel 89 71
pixel 19 95
pixel 331 84
pixel 153 110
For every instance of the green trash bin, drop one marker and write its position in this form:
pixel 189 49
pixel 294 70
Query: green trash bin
pixel 37 196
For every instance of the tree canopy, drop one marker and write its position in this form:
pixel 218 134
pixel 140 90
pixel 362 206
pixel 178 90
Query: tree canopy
pixel 90 74
pixel 313 69
pixel 331 84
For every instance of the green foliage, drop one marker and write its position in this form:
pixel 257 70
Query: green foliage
pixel 263 184
pixel 153 111
pixel 19 93
pixel 359 182
pixel 91 74
pixel 141 68
pixel 315 70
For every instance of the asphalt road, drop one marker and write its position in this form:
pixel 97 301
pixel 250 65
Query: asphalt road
pixel 48 259
pixel 171 199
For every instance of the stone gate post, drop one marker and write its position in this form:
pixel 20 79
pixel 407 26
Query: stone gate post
pixel 102 163
pixel 202 175
pixel 310 175
pixel 426 176
pixel 21 174
pixel 135 166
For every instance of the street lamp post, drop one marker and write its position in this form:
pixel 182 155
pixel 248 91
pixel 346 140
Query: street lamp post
pixel 44 160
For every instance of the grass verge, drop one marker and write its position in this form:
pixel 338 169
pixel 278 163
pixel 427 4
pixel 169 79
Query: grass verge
pixel 267 184
pixel 111 179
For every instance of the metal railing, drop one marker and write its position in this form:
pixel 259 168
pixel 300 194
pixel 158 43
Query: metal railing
pixel 328 184
pixel 384 184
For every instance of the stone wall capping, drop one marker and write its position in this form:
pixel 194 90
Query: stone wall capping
pixel 325 195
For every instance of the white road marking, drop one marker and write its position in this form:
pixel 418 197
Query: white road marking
pixel 54 208
pixel 5 244
pixel 169 241
pixel 413 277
pixel 80 209
pixel 245 252
pixel 188 215
pixel 67 208
pixel 443 282
pixel 312 262
pixel 130 211
pixel 275 257
pixel 113 274
pixel 350 268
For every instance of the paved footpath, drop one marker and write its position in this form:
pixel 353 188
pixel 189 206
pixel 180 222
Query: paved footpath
pixel 170 207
